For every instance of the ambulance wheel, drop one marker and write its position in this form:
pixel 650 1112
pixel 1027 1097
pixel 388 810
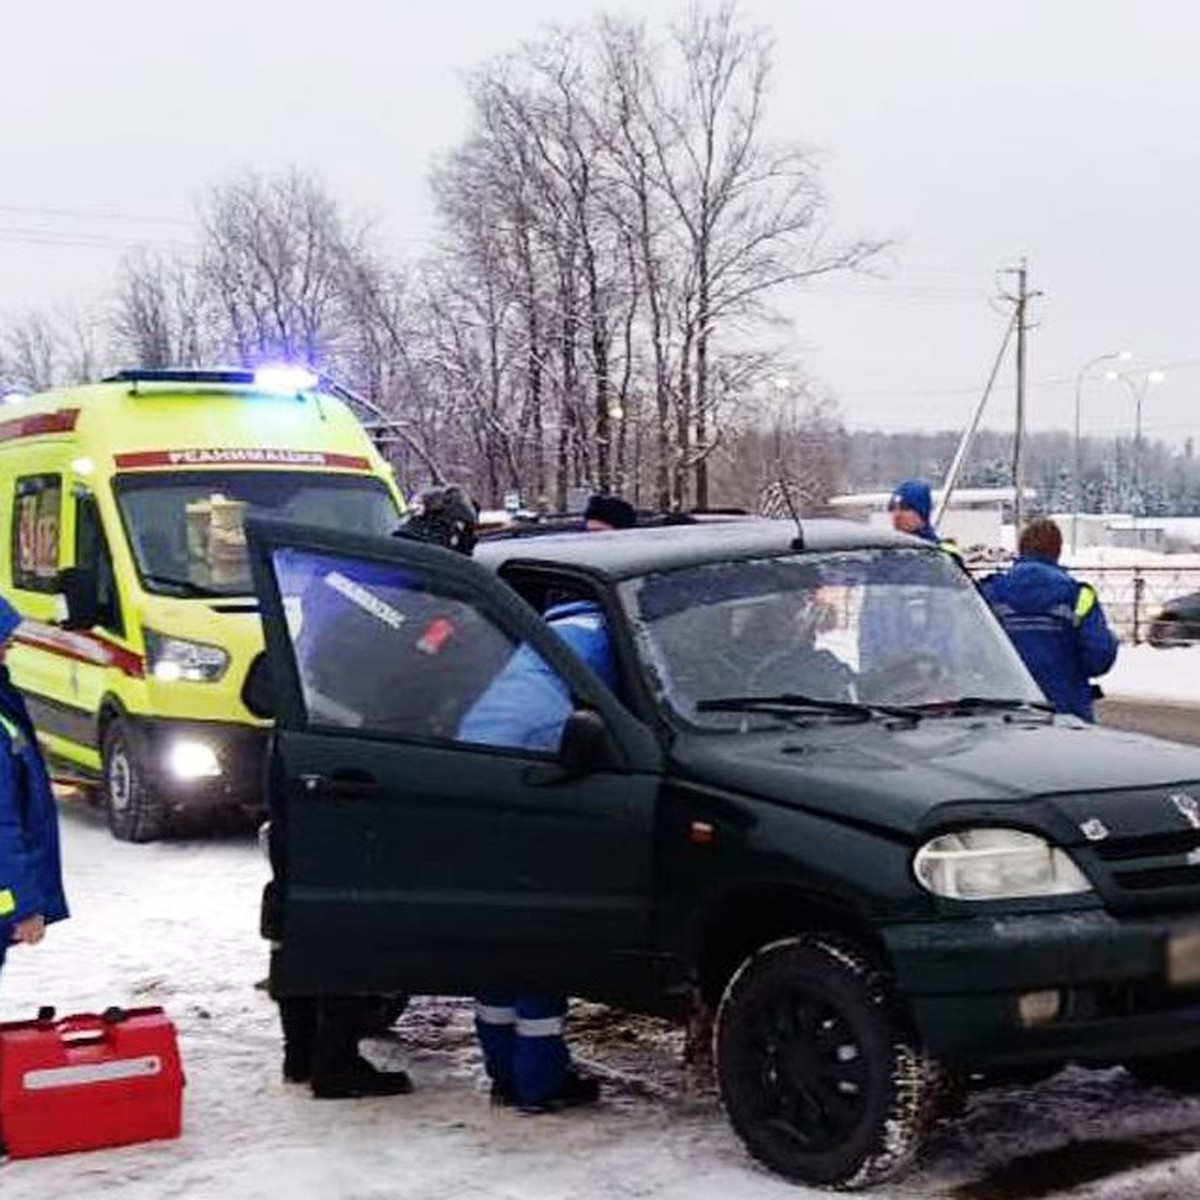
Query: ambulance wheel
pixel 134 813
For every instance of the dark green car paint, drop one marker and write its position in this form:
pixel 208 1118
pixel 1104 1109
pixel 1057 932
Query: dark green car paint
pixel 456 870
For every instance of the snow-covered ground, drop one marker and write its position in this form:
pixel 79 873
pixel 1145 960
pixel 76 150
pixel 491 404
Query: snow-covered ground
pixel 175 924
pixel 1146 673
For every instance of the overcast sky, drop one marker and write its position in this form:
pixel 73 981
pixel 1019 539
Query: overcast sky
pixel 972 133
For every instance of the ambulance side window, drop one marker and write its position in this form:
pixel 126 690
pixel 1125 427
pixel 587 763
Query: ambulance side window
pixel 37 519
pixel 91 550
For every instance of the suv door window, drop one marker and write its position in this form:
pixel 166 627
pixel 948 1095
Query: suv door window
pixel 37 516
pixel 92 552
pixel 410 856
pixel 381 650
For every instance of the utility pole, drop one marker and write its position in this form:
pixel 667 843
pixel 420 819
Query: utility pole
pixel 1021 300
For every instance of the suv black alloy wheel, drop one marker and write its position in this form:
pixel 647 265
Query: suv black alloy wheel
pixel 816 1071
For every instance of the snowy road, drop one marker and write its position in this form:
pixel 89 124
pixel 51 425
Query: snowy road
pixel 175 924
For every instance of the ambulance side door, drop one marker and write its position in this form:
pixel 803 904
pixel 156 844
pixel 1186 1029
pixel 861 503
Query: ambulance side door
pixel 36 528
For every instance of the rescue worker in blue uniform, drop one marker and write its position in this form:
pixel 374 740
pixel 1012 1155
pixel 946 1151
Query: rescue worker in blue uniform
pixel 31 888
pixel 526 706
pixel 1055 622
pixel 900 621
pixel 911 508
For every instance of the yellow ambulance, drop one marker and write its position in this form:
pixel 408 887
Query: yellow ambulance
pixel 127 560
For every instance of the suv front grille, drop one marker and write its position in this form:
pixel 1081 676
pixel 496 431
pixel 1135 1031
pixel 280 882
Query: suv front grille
pixel 1150 872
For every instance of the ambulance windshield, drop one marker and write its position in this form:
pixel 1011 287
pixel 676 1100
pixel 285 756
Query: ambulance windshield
pixel 187 533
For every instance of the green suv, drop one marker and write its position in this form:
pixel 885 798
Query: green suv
pixel 825 796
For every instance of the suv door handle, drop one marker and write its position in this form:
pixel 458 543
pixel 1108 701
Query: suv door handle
pixel 351 783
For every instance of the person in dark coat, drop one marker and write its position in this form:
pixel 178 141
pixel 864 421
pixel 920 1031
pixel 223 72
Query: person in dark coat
pixel 1055 622
pixel 605 512
pixel 31 887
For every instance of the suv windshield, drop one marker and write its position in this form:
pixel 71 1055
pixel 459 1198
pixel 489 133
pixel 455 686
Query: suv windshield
pixel 187 529
pixel 817 632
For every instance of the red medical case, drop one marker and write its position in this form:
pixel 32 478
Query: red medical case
pixel 88 1081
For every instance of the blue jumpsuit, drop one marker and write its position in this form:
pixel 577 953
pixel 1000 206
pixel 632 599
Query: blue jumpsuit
pixel 526 706
pixel 30 861
pixel 1058 627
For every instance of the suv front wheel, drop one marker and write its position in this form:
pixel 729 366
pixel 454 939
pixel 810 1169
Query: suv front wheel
pixel 817 1073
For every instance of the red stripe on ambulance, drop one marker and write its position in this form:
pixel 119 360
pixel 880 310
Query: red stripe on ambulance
pixel 141 460
pixel 80 647
pixel 39 424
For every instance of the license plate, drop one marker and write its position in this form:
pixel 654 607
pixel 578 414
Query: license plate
pixel 1183 958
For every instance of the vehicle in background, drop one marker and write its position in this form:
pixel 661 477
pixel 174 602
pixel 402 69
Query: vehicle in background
pixel 128 499
pixel 1177 623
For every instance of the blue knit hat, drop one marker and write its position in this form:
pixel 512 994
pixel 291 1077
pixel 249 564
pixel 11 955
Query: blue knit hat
pixel 914 495
pixel 9 620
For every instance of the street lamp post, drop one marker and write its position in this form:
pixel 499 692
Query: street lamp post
pixel 1077 488
pixel 1138 385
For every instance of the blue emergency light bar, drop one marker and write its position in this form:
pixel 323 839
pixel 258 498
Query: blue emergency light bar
pixel 280 380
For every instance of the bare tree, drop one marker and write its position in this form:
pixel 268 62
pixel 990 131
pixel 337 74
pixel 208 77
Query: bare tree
pixel 748 212
pixel 41 350
pixel 162 316
pixel 274 257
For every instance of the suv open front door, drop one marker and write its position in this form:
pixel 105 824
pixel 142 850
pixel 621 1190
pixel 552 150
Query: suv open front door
pixel 411 856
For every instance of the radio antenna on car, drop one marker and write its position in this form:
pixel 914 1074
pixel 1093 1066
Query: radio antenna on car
pixel 798 540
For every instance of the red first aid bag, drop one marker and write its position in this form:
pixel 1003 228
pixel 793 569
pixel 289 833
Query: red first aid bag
pixel 88 1081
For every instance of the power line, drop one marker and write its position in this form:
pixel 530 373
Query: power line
pixel 39 237
pixel 94 214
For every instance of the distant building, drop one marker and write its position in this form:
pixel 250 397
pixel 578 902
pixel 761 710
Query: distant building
pixel 1114 529
pixel 974 517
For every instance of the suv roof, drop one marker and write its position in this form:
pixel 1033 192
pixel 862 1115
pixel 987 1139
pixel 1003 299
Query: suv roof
pixel 625 553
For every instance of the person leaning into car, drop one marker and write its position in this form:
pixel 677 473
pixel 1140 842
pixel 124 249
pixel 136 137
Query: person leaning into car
pixel 521 1035
pixel 1055 622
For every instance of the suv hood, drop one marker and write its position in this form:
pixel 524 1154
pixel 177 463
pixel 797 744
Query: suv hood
pixel 895 778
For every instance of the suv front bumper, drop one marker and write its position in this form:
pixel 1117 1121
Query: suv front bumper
pixel 1126 988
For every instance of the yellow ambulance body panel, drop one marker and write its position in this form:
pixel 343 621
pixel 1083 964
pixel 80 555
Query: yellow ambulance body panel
pixel 138 489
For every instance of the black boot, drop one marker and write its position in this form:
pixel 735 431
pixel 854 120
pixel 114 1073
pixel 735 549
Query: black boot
pixel 356 1077
pixel 298 1019
pixel 575 1090
pixel 338 1070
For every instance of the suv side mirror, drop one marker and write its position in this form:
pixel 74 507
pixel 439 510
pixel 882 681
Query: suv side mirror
pixel 79 588
pixel 586 744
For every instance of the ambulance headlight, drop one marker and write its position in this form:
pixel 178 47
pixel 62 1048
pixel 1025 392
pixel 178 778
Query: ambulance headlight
pixel 171 659
pixel 187 759
pixel 996 864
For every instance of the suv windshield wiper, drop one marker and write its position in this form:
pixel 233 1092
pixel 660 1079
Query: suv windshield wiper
pixel 786 703
pixel 186 586
pixel 984 704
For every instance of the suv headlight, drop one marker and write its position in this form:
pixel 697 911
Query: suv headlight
pixel 996 864
pixel 172 658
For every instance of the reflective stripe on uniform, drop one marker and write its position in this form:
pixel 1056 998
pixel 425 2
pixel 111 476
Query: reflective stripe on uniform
pixel 1084 602
pixel 539 1027
pixel 495 1014
pixel 8 903
pixel 15 734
